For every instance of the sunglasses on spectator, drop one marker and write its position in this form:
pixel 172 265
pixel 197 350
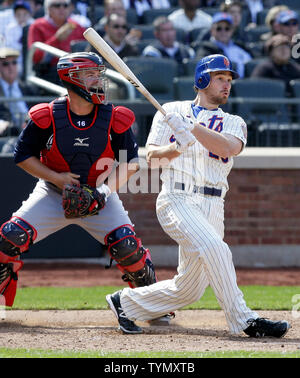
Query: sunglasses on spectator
pixel 11 63
pixel 291 23
pixel 220 28
pixel 59 5
pixel 117 26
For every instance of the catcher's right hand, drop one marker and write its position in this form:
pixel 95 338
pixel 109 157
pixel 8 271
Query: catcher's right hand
pixel 82 201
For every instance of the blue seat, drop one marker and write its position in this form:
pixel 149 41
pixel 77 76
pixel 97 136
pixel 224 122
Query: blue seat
pixel 147 31
pixel 189 66
pixel 78 46
pixel 156 74
pixel 253 34
pixel 150 15
pixel 295 89
pixel 269 122
pixel 183 88
pixel 249 66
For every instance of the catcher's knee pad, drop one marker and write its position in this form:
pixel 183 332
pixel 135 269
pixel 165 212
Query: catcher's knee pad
pixel 15 237
pixel 132 258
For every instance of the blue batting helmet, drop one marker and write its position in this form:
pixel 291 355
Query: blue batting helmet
pixel 212 63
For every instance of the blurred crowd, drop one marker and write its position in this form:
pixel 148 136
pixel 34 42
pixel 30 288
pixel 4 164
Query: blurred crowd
pixel 263 32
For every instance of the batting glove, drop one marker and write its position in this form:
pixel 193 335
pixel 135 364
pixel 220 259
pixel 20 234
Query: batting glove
pixel 177 121
pixel 184 139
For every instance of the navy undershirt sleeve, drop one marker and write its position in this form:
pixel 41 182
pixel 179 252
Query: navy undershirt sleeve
pixel 124 146
pixel 31 142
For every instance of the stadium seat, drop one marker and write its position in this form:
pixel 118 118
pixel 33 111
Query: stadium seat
pixel 189 66
pixel 150 15
pixel 210 10
pixel 198 34
pixel 147 30
pixel 249 66
pixel 156 74
pixel 98 13
pixel 260 88
pixel 295 89
pixel 132 17
pixel 181 35
pixel 292 4
pixel 295 112
pixel 253 34
pixel 269 121
pixel 183 88
pixel 141 44
pixel 261 16
pixel 77 46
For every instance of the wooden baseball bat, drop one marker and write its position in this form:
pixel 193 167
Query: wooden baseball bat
pixel 112 57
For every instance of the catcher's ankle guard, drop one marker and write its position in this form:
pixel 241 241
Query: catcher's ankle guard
pixel 15 237
pixel 133 260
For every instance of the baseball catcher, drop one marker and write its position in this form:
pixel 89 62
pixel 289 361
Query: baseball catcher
pixel 69 144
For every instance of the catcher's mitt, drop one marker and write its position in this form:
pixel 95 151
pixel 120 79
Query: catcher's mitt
pixel 80 201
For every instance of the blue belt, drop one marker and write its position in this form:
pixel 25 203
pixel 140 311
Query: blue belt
pixel 200 189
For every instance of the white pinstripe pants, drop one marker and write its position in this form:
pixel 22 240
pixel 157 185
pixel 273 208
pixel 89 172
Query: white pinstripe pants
pixel 196 223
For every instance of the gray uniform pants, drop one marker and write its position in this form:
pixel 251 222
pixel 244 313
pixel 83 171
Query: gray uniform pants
pixel 43 210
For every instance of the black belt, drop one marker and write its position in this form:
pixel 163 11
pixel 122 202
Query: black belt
pixel 200 189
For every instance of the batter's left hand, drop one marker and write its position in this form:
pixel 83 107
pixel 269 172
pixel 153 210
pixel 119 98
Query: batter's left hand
pixel 177 122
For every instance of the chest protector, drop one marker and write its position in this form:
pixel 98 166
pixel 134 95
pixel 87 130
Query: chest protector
pixel 85 151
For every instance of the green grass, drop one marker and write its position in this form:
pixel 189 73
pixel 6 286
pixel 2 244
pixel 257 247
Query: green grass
pixel 93 298
pixel 39 353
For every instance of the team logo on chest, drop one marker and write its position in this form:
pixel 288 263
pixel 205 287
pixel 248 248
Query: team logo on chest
pixel 80 142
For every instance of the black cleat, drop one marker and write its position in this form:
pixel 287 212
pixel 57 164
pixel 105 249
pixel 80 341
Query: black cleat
pixel 125 325
pixel 262 327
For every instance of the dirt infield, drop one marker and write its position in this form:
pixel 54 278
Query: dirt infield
pixel 96 330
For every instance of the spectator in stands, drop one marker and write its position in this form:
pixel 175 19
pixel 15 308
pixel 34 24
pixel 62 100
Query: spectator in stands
pixel 81 6
pixel 221 43
pixel 235 9
pixel 189 16
pixel 278 64
pixel 37 8
pixel 165 45
pixel 116 30
pixel 142 5
pixel 6 16
pixel 12 87
pixel 110 7
pixel 288 23
pixel 14 31
pixel 55 29
pixel 253 7
pixel 271 21
pixel 75 15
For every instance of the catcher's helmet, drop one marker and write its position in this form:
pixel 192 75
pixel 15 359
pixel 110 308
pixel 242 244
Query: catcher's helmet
pixel 71 69
pixel 212 63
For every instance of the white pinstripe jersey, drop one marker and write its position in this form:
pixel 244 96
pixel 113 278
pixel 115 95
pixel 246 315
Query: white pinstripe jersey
pixel 197 166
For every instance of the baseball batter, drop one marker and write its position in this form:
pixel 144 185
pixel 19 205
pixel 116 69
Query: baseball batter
pixel 195 144
pixel 70 145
